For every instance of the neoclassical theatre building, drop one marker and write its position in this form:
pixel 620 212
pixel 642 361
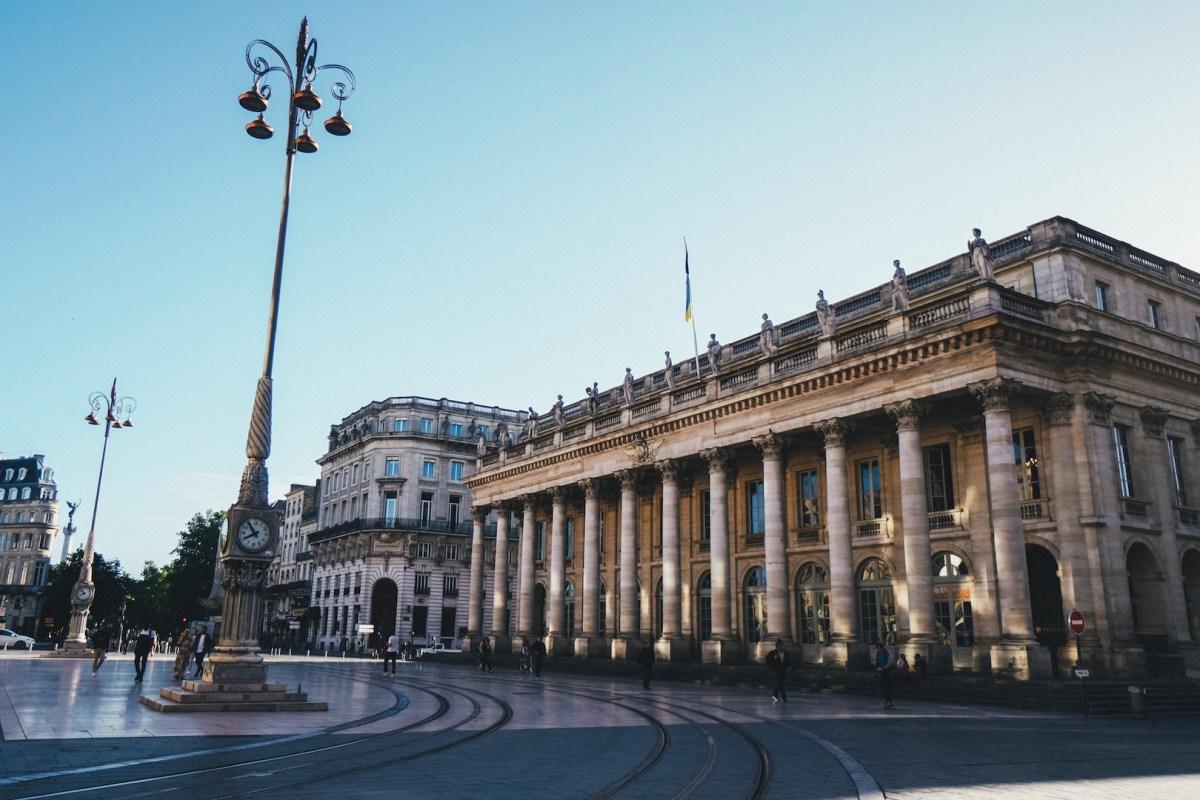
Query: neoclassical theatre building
pixel 951 463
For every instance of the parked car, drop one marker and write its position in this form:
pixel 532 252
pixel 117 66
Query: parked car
pixel 14 640
pixel 436 647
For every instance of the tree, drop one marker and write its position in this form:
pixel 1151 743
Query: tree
pixel 189 577
pixel 149 603
pixel 113 588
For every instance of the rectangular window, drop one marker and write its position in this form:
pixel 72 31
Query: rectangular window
pixel 390 504
pixel 449 586
pixel 1124 465
pixel 354 478
pixel 756 519
pixel 400 425
pixel 539 541
pixel 569 539
pixel 1102 296
pixel 952 612
pixel 424 549
pixel 428 469
pixel 426 507
pixel 426 425
pixel 600 534
pixel 484 432
pixel 870 497
pixel 706 517
pixel 1198 327
pixel 45 539
pixel 420 621
pixel 456 470
pixel 1174 455
pixel 1025 460
pixel 391 467
pixel 810 499
pixel 456 430
pixel 455 506
pixel 939 483
pixel 1154 313
pixel 452 552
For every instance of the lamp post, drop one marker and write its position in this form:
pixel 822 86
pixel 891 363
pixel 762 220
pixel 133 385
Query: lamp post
pixel 252 524
pixel 117 413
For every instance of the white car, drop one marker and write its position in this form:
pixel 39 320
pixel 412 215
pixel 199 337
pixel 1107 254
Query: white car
pixel 436 647
pixel 14 640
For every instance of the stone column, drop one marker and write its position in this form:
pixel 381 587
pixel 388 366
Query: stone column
pixel 914 512
pixel 843 648
pixel 774 543
pixel 475 601
pixel 625 645
pixel 501 642
pixel 1018 652
pixel 723 648
pixel 671 646
pixel 525 621
pixel 589 644
pixel 1154 421
pixel 557 642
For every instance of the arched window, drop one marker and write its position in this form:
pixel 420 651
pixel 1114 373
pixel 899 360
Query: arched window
pixel 12 493
pixel 704 606
pixel 569 602
pixel 755 594
pixel 25 493
pixel 812 604
pixel 876 603
pixel 952 600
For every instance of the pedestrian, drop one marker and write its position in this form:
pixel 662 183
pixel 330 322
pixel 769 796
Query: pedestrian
pixel 143 644
pixel 778 662
pixel 200 649
pixel 885 668
pixel 645 660
pixel 525 665
pixel 902 668
pixel 391 652
pixel 100 640
pixel 920 666
pixel 537 655
pixel 183 654
pixel 485 654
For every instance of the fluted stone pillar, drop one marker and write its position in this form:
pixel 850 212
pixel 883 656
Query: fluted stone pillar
pixel 723 648
pixel 626 643
pixel 1018 652
pixel 774 543
pixel 501 642
pixel 475 598
pixel 918 560
pixel 590 644
pixel 670 647
pixel 525 621
pixel 843 648
pixel 557 641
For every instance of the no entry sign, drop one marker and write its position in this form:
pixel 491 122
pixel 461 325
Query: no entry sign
pixel 1076 622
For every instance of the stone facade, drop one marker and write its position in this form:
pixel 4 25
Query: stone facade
pixel 391 548
pixel 952 474
pixel 288 585
pixel 28 524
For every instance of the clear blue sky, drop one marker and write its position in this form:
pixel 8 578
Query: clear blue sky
pixel 505 222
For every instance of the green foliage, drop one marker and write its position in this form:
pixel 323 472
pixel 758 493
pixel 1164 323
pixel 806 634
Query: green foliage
pixel 191 572
pixel 113 588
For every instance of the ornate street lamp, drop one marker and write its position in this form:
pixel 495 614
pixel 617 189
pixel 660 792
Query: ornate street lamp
pixel 117 413
pixel 252 524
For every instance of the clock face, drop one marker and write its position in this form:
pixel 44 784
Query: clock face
pixel 83 593
pixel 254 534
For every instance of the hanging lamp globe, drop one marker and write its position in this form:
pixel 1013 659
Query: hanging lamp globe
pixel 259 129
pixel 338 125
pixel 305 143
pixel 306 99
pixel 253 100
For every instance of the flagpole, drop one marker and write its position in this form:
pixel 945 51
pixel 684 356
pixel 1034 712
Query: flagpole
pixel 691 308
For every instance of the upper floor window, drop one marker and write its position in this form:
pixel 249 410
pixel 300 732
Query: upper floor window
pixel 870 494
pixel 450 585
pixel 939 483
pixel 456 429
pixel 456 470
pixel 1025 458
pixel 452 552
pixel 756 517
pixel 400 425
pixel 8 473
pixel 21 473
pixel 391 467
pixel 484 431
pixel 1154 313
pixel 421 584
pixel 426 507
pixel 25 493
pixel 539 541
pixel 569 541
pixel 1102 296
pixel 810 499
pixel 428 469
pixel 354 480
pixel 705 516
pixel 426 425
pixel 1124 464
pixel 455 510
pixel 1174 455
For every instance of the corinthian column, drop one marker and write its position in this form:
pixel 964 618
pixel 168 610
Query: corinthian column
pixel 525 623
pixel 774 541
pixel 1018 652
pixel 501 643
pixel 628 600
pixel 475 601
pixel 1154 421
pixel 722 648
pixel 589 644
pixel 557 615
pixel 915 515
pixel 837 529
pixel 669 646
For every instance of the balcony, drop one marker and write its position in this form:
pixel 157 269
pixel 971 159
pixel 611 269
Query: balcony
pixel 811 534
pixel 1034 510
pixel 1138 509
pixel 871 528
pixel 949 520
pixel 398 524
pixel 1187 516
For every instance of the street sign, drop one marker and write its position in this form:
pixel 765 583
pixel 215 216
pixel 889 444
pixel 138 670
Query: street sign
pixel 1076 622
pixel 1083 673
pixel 366 628
pixel 294 625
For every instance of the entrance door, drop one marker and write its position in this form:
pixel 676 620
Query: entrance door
pixel 420 622
pixel 383 610
pixel 1148 593
pixel 1045 598
pixel 539 608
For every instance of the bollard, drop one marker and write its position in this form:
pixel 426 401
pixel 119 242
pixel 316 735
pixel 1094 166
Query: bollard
pixel 308 653
pixel 1137 701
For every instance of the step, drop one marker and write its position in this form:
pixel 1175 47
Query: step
pixel 168 706
pixel 183 696
pixel 201 686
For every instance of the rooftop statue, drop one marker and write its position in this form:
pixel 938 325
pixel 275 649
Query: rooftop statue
pixel 981 260
pixel 899 288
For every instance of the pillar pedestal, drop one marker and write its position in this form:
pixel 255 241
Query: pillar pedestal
pixel 592 647
pixel 939 657
pixel 672 650
pixel 721 651
pixel 501 643
pixel 1191 659
pixel 626 649
pixel 847 655
pixel 559 645
pixel 760 649
pixel 1021 660
pixel 471 642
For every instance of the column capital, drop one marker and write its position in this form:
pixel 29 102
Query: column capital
pixel 529 501
pixel 834 431
pixel 1154 419
pixel 479 513
pixel 717 458
pixel 591 487
pixel 995 394
pixel 1099 407
pixel 770 444
pixel 1059 408
pixel 668 468
pixel 906 414
pixel 558 494
pixel 628 479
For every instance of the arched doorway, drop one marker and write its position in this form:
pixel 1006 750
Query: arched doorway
pixel 876 603
pixel 539 608
pixel 952 613
pixel 1191 591
pixel 1148 596
pixel 383 610
pixel 704 607
pixel 1045 601
pixel 812 604
pixel 754 589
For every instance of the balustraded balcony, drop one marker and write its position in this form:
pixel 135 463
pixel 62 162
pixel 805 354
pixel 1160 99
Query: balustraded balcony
pixel 949 520
pixel 872 528
pixel 1035 510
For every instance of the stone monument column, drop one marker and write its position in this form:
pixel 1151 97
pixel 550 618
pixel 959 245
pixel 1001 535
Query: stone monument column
pixel 670 647
pixel 501 642
pixel 625 645
pixel 525 621
pixel 723 648
pixel 590 644
pixel 1018 652
pixel 475 601
pixel 843 648
pixel 774 543
pixel 557 642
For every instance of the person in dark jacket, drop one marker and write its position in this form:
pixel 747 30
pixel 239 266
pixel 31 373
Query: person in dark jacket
pixel 645 660
pixel 537 656
pixel 485 654
pixel 778 662
pixel 200 649
pixel 143 644
pixel 100 640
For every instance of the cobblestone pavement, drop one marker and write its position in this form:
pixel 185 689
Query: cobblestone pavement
pixel 447 731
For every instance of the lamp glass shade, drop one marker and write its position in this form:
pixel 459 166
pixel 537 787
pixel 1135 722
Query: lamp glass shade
pixel 253 100
pixel 338 125
pixel 259 129
pixel 306 99
pixel 305 143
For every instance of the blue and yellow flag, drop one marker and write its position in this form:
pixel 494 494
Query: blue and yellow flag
pixel 687 278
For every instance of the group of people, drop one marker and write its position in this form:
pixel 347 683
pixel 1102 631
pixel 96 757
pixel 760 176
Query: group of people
pixel 190 648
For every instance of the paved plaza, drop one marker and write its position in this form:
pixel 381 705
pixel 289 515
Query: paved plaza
pixel 438 730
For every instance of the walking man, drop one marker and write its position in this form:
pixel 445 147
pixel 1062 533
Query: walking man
pixel 537 655
pixel 391 653
pixel 778 662
pixel 885 667
pixel 645 660
pixel 200 648
pixel 143 644
pixel 485 654
pixel 100 641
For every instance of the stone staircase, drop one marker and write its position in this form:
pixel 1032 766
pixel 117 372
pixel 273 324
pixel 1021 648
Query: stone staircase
pixel 200 696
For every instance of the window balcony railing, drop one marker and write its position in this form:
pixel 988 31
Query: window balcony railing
pixel 1038 509
pixel 1187 516
pixel 1134 508
pixel 871 528
pixel 948 520
pixel 755 539
pixel 810 535
pixel 398 523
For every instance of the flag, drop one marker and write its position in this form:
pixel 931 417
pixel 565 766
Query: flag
pixel 687 279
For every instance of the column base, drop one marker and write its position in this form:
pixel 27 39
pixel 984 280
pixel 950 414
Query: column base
pixel 1021 660
pixel 559 645
pixel 626 649
pixel 72 646
pixel 470 643
pixel 241 665
pixel 847 655
pixel 939 657
pixel 721 651
pixel 501 643
pixel 591 647
pixel 672 650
